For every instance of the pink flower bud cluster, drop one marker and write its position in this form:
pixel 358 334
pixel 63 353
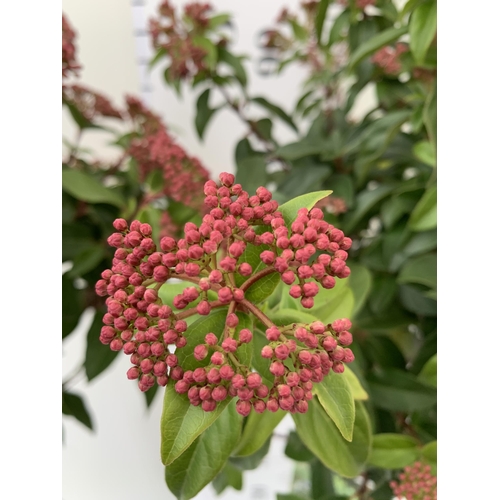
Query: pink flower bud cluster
pixel 69 62
pixel 169 32
pixel 388 58
pixel 416 483
pixel 292 250
pixel 91 104
pixel 360 4
pixel 209 256
pixel 183 175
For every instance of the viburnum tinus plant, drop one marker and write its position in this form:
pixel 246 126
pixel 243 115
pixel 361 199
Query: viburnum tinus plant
pixel 241 328
pixel 243 244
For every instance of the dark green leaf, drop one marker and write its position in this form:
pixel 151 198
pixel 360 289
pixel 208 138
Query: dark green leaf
pixel 258 362
pixel 160 54
pixel 87 260
pixel 251 172
pixel 203 112
pixel 72 305
pixel 421 269
pixel 150 395
pixel 322 437
pixel 375 43
pixel 393 451
pixel 321 481
pixel 290 208
pixel 72 404
pixel 320 18
pixel 340 26
pixel 296 449
pixel 304 179
pixel 251 462
pixel 422 28
pixel 396 390
pixel 415 301
pixel 228 476
pixel 258 428
pixel 97 356
pixel 365 201
pixel 421 242
pixel 382 296
pixel 235 63
pixel 276 110
pixel 335 396
pixel 86 188
pixel 264 128
pixel 206 456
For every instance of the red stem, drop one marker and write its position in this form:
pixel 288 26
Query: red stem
pixel 190 312
pixel 256 277
pixel 257 313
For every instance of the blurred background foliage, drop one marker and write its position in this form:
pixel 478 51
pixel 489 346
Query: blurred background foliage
pixel 381 169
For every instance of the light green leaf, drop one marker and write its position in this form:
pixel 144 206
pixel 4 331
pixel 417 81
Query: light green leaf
pixel 375 43
pixel 340 25
pixel 322 437
pixel 424 215
pixel 357 390
pixel 160 54
pixel 84 187
pixel 290 316
pixel 336 398
pixel 425 152
pixel 428 374
pixel 205 458
pixel 421 269
pixel 263 288
pixel 218 20
pixel 430 116
pixel 333 304
pixel 360 282
pixel 258 428
pixel 181 423
pixel 393 451
pixel 209 48
pixel 429 454
pixel 290 208
pixel 422 28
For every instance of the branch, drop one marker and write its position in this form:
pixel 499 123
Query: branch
pixel 257 313
pixel 192 311
pixel 256 277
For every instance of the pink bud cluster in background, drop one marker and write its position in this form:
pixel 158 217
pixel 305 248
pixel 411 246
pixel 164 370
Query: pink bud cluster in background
pixel 415 483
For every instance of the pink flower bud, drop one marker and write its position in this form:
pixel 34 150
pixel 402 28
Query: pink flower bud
pixel 170 337
pixel 338 367
pixel 200 375
pixel 238 381
pixel 191 269
pixel 277 368
pixel 267 352
pixel 281 352
pixel 272 405
pixel 200 352
pixel 345 338
pixel 295 291
pixel 273 333
pixel 286 403
pixel 215 277
pixel 348 356
pixel 267 257
pixel 245 336
pixel 209 405
pixel 243 407
pixel 245 269
pixel 229 345
pixel 226 372
pixel 225 295
pixel 160 369
pixel 226 179
pixel 305 357
pixel 217 358
pixel 147 365
pixel 181 387
pixel 211 339
pixel 232 320
pixel 213 376
pixel 219 393
pixel 115 240
pixel 293 379
pixel 317 327
pixel 116 345
pixel 129 348
pixel 254 380
pixel 160 274
pixel 329 344
pixel 181 342
pixel 133 373
pixel 288 277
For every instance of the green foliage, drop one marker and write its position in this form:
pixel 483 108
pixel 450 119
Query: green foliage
pixel 206 456
pixel 72 404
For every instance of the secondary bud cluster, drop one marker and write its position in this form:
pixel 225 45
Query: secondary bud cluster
pixel 416 483
pixel 388 58
pixel 212 258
